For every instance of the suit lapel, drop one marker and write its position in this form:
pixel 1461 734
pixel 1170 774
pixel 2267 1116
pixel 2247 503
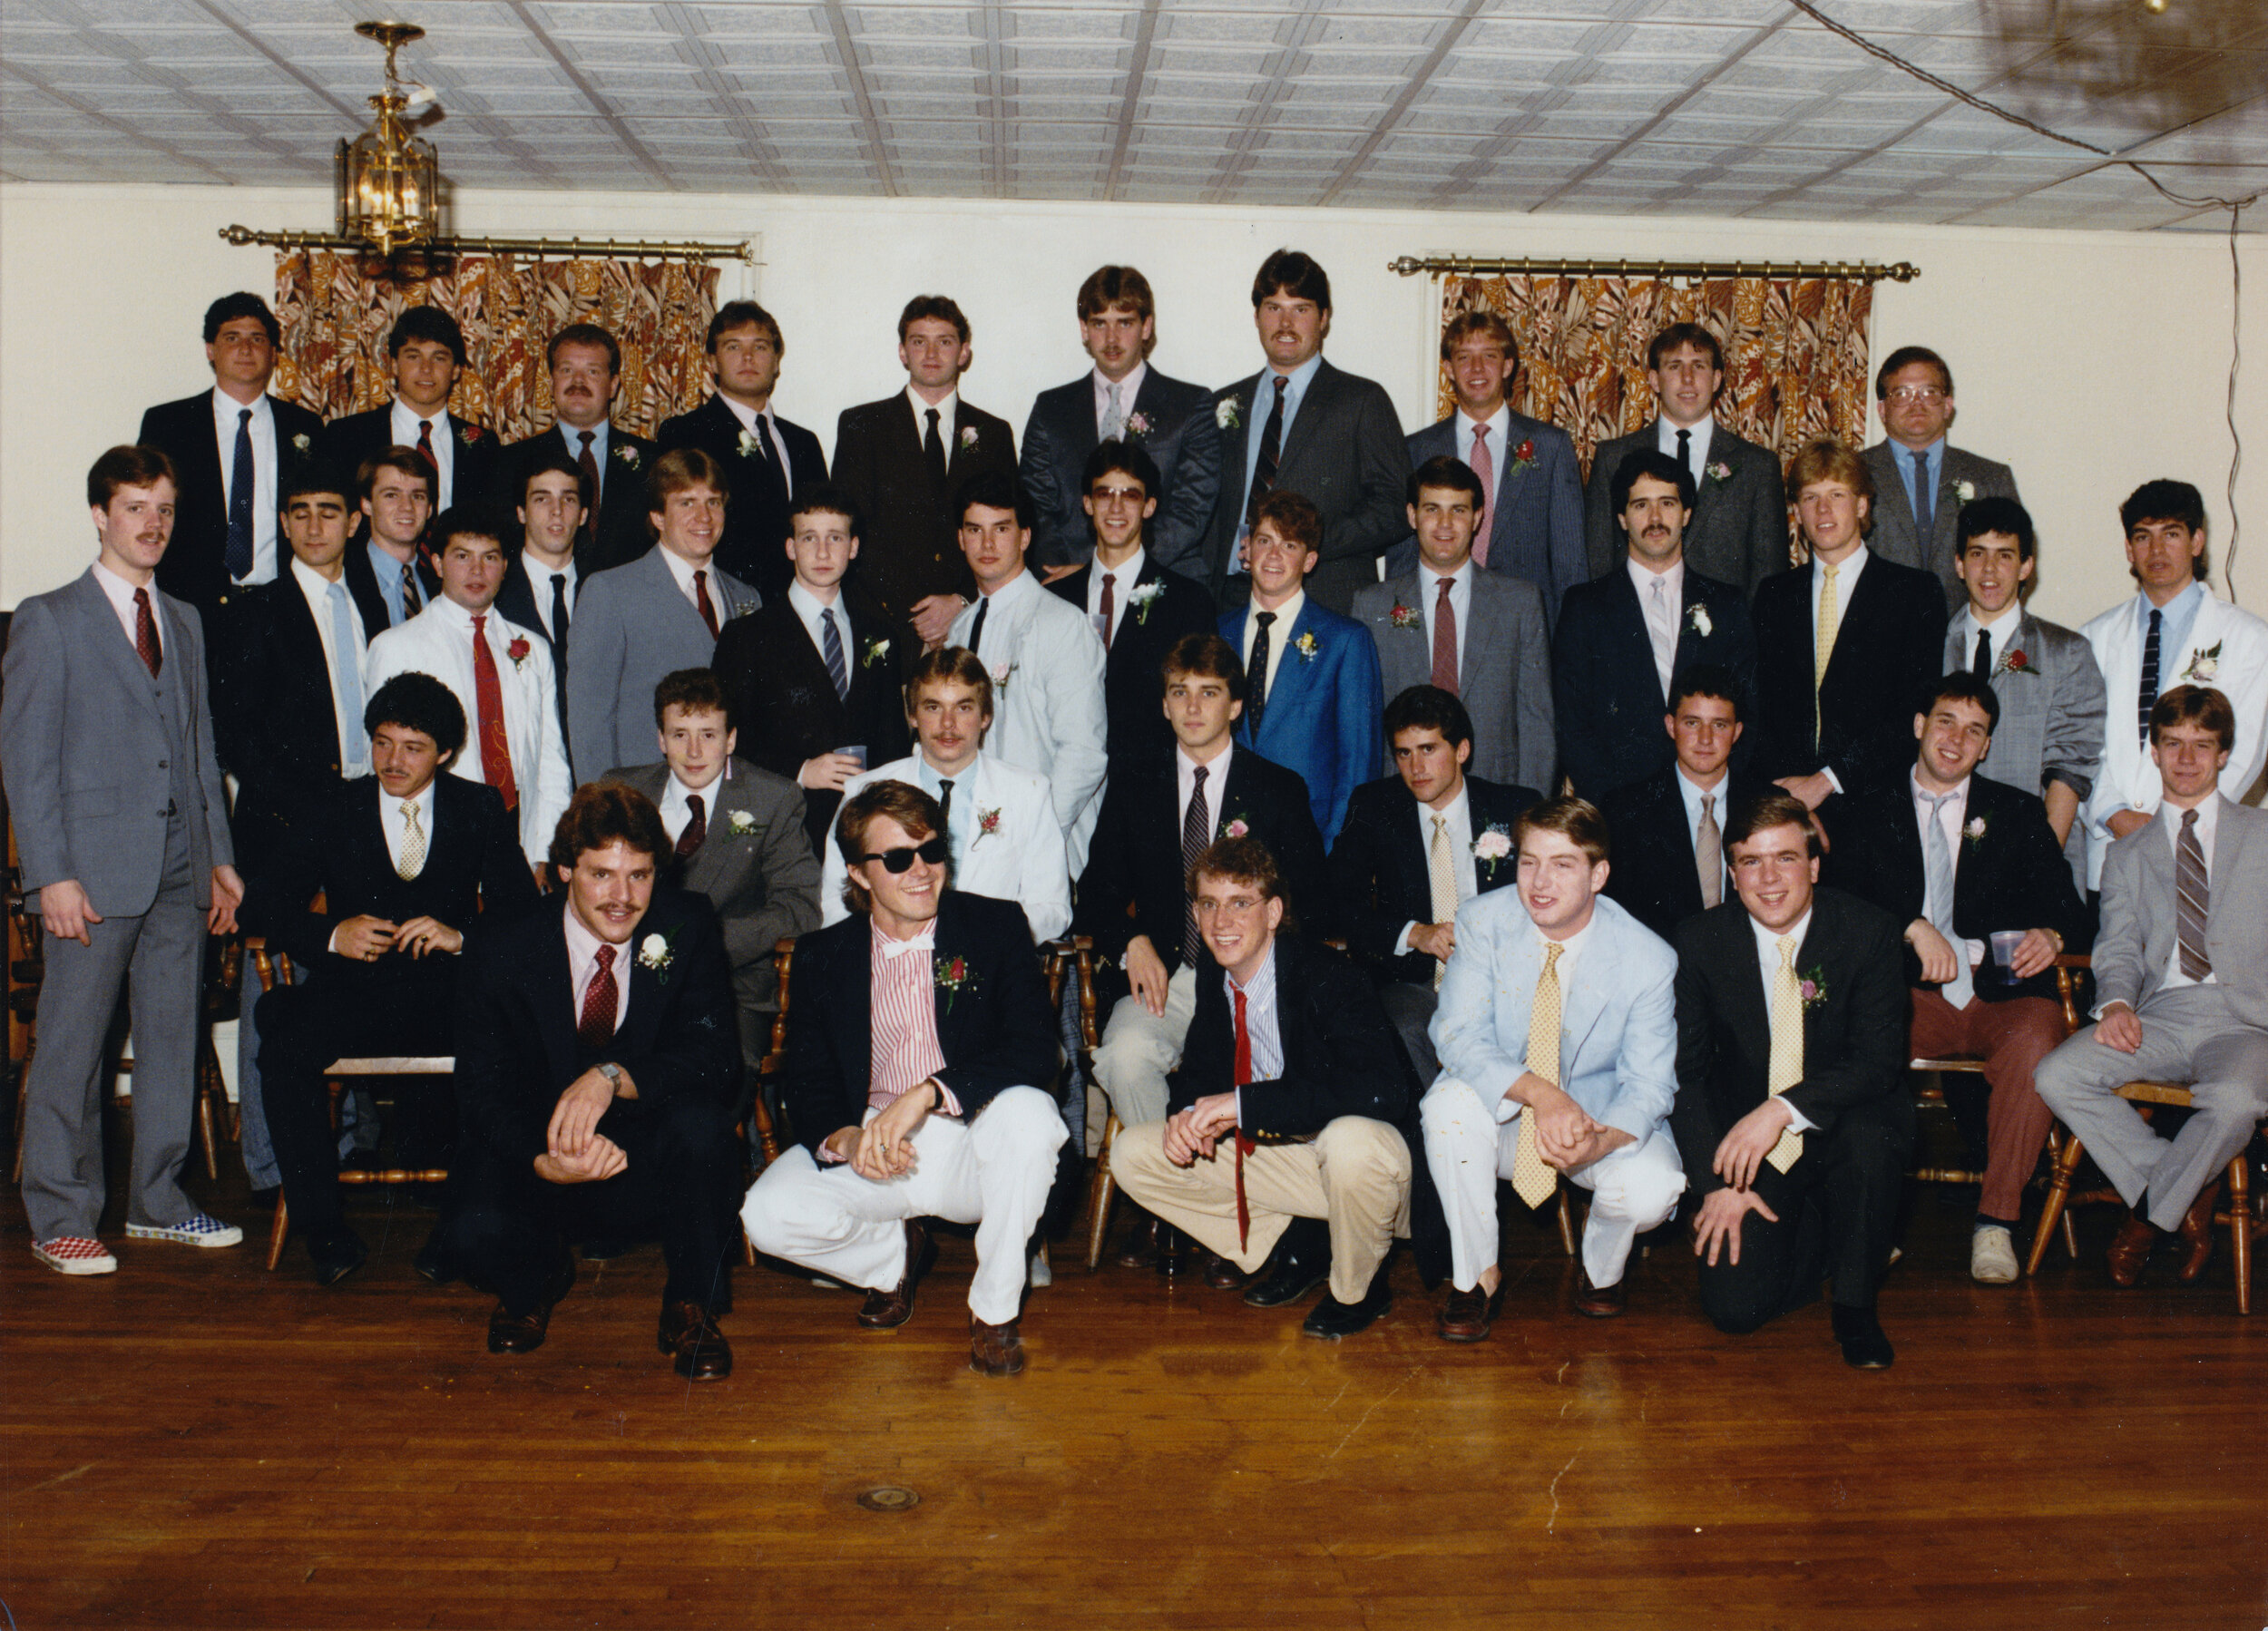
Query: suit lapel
pixel 105 635
pixel 1312 406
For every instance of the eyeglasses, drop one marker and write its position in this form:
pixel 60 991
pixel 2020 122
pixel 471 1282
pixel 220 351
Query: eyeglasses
pixel 1234 907
pixel 902 859
pixel 1916 394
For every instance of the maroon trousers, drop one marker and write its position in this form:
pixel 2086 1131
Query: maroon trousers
pixel 2013 1037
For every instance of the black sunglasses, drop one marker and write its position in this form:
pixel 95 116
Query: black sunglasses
pixel 901 859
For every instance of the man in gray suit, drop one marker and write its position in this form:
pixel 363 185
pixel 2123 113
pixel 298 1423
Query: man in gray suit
pixel 1300 425
pixel 1920 479
pixel 1739 532
pixel 106 746
pixel 2181 978
pixel 738 836
pixel 1478 634
pixel 2050 737
pixel 1531 500
pixel 663 611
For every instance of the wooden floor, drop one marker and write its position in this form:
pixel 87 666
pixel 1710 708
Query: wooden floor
pixel 194 1442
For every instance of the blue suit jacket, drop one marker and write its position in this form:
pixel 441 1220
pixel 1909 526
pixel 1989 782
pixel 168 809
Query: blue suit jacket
pixel 1618 1013
pixel 1322 712
pixel 1537 530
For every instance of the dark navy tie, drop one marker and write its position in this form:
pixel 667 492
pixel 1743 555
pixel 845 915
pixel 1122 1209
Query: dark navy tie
pixel 241 483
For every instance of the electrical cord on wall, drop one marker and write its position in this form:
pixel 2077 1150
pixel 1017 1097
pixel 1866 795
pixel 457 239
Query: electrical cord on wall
pixel 2235 207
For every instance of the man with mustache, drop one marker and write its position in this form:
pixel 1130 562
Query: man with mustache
pixel 585 365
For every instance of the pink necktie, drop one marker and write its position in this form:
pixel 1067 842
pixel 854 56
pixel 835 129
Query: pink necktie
pixel 1484 466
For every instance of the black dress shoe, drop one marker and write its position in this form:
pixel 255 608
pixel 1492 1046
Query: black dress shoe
pixel 690 1337
pixel 1332 1319
pixel 1864 1347
pixel 335 1254
pixel 606 1248
pixel 510 1332
pixel 1302 1262
pixel 1141 1246
pixel 1220 1274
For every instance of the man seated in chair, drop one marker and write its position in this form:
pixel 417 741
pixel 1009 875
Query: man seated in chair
pixel 2181 987
pixel 402 859
pixel 737 836
pixel 599 1073
pixel 1558 1036
pixel 921 1046
pixel 1969 864
pixel 1281 1136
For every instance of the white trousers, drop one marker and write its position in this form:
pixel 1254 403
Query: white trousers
pixel 994 1172
pixel 1139 1048
pixel 1634 1189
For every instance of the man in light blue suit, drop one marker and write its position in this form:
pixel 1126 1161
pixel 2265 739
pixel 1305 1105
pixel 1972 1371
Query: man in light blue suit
pixel 1558 1035
pixel 1312 700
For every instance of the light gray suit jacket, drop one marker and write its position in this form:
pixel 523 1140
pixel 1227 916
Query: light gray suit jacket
pixel 2051 711
pixel 2135 946
pixel 1892 537
pixel 631 627
pixel 756 866
pixel 93 752
pixel 1504 679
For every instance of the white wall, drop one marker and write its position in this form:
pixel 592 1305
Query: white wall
pixel 2089 361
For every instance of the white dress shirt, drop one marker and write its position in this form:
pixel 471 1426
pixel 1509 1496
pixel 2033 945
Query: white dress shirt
pixel 404 433
pixel 758 421
pixel 1949 821
pixel 1666 441
pixel 1185 787
pixel 1280 632
pixel 1661 601
pixel 676 812
pixel 1768 964
pixel 582 966
pixel 226 411
pixel 808 606
pixel 948 413
pixel 1429 592
pixel 1459 811
pixel 1998 633
pixel 1127 389
pixel 2208 823
pixel 1122 580
pixel 316 589
pixel 1500 425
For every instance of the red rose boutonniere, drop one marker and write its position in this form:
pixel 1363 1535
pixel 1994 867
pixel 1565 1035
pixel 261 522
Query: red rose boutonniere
pixel 1524 455
pixel 518 649
pixel 469 433
pixel 954 976
pixel 2016 663
pixel 1402 617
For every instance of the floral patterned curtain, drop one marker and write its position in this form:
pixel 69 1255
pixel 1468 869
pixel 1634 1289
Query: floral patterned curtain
pixel 1795 351
pixel 335 311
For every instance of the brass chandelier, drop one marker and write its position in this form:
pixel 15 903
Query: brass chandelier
pixel 387 179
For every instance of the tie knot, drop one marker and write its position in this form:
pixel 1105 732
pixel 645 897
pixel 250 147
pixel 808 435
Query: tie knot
pixel 409 810
pixel 1828 570
pixel 480 623
pixel 1283 384
pixel 559 580
pixel 1109 579
pixel 1447 584
pixel 2189 820
pixel 1940 800
pixel 1440 823
pixel 244 416
pixel 929 415
pixel 945 782
pixel 142 597
pixel 1552 950
pixel 1786 943
pixel 693 802
pixel 606 958
pixel 1480 433
pixel 1265 618
pixel 1202 772
pixel 1708 805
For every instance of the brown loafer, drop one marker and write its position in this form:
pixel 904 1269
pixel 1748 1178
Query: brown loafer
pixel 994 1349
pixel 510 1332
pixel 2130 1250
pixel 2197 1233
pixel 1466 1316
pixel 1600 1301
pixel 690 1338
pixel 887 1310
pixel 1222 1274
pixel 1141 1246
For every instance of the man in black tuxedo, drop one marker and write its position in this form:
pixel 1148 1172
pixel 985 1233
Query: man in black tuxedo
pixel 1738 534
pixel 1669 828
pixel 903 459
pixel 1300 425
pixel 598 1072
pixel 1623 637
pixel 920 1048
pixel 810 674
pixel 1283 1132
pixel 541 581
pixel 236 447
pixel 1415 846
pixel 1141 607
pixel 1793 1118
pixel 585 365
pixel 1843 644
pixel 388 560
pixel 771 461
pixel 404 860
pixel 1973 869
pixel 1121 399
pixel 426 348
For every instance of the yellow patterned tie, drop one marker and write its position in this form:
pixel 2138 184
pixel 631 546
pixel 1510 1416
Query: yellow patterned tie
pixel 413 861
pixel 1530 1177
pixel 1824 638
pixel 1440 874
pixel 1787 1047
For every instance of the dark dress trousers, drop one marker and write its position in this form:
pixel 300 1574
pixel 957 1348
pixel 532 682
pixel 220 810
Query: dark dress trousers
pixel 1738 532
pixel 195 565
pixel 1653 875
pixel 347 441
pixel 783 702
pixel 1173 422
pixel 756 513
pixel 1838 1204
pixel 622 534
pixel 517 1050
pixel 910 548
pixel 399 1005
pixel 1133 685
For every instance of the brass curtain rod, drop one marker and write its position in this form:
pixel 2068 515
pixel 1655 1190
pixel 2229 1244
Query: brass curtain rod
pixel 636 248
pixel 1905 271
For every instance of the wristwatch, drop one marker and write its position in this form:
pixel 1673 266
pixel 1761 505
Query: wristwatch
pixel 614 1074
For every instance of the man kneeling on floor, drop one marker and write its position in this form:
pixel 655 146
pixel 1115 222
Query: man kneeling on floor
pixel 1281 1132
pixel 920 1045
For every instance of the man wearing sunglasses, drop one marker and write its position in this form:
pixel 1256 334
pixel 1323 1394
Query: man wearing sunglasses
pixel 919 1046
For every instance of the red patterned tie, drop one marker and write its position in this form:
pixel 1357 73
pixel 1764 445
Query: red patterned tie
pixel 431 461
pixel 1244 1145
pixel 1109 605
pixel 708 606
pixel 696 827
pixel 1445 640
pixel 488 695
pixel 146 634
pixel 596 1027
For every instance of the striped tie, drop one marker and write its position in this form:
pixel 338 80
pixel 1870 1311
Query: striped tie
pixel 1197 830
pixel 831 648
pixel 2194 897
pixel 1532 1178
pixel 1785 1067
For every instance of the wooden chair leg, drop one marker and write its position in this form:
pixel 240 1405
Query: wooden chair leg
pixel 1567 1223
pixel 278 1233
pixel 748 1246
pixel 2059 1191
pixel 1100 1189
pixel 2064 1227
pixel 2241 1230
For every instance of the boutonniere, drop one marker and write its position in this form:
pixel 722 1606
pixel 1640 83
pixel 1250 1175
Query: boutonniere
pixel 748 448
pixel 1306 647
pixel 954 976
pixel 1719 472
pixel 987 824
pixel 625 454
pixel 2014 661
pixel 1697 619
pixel 1001 677
pixel 1813 988
pixel 1494 846
pixel 518 649
pixel 302 442
pixel 1141 599
pixel 1138 424
pixel 968 437
pixel 1975 831
pixel 1225 414
pixel 654 952
pixel 1524 455
pixel 740 824
pixel 2204 666
pixel 1235 828
pixel 1964 491
pixel 1402 617
pixel 874 651
pixel 467 434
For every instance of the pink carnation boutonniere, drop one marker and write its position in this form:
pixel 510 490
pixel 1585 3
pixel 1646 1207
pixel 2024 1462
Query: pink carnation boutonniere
pixel 987 825
pixel 1524 455
pixel 1493 847
pixel 518 649
pixel 968 437
pixel 1138 424
pixel 1811 987
pixel 1403 616
pixel 1719 472
pixel 954 976
pixel 1235 829
pixel 624 454
pixel 2016 663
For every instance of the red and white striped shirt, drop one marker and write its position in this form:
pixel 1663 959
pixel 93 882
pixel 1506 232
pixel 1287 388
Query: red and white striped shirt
pixel 905 1050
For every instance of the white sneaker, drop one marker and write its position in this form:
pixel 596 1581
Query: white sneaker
pixel 1992 1256
pixel 1041 1272
pixel 196 1230
pixel 75 1254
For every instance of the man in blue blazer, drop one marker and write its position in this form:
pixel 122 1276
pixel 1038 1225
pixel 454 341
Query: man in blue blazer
pixel 1312 700
pixel 1532 512
pixel 1557 1036
pixel 1122 399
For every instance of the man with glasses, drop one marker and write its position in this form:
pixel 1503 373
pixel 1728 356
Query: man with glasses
pixel 1920 479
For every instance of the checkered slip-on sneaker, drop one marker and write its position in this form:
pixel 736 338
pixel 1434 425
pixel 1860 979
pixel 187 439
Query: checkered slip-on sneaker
pixel 75 1254
pixel 199 1230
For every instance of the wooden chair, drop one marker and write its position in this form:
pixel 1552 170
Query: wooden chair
pixel 269 963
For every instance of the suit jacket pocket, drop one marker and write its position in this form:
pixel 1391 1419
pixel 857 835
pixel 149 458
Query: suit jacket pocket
pixel 90 803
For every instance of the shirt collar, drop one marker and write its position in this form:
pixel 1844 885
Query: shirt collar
pixel 1215 769
pixel 1124 574
pixel 1263 978
pixel 1932 452
pixel 572 437
pixel 225 408
pixel 1768 941
pixel 1129 388
pixel 893 949
pixel 1847 567
pixel 312 583
pixel 1300 377
pixel 121 592
pixel 1454 811
pixel 405 415
pixel 1286 614
pixel 708 795
pixel 2195 592
pixel 2011 615
pixel 1923 796
pixel 1500 423
pixel 1008 594
pixel 683 571
pixel 1643 577
pixel 948 410
pixel 1574 943
pixel 423 801
pixel 808 606
pixel 1429 577
pixel 582 946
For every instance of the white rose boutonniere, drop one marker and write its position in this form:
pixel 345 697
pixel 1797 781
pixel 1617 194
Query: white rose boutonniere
pixel 968 437
pixel 1975 831
pixel 740 824
pixel 655 953
pixel 302 442
pixel 1697 619
pixel 1719 472
pixel 1964 491
pixel 1001 677
pixel 875 650
pixel 747 445
pixel 1141 599
pixel 1225 414
pixel 2205 667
